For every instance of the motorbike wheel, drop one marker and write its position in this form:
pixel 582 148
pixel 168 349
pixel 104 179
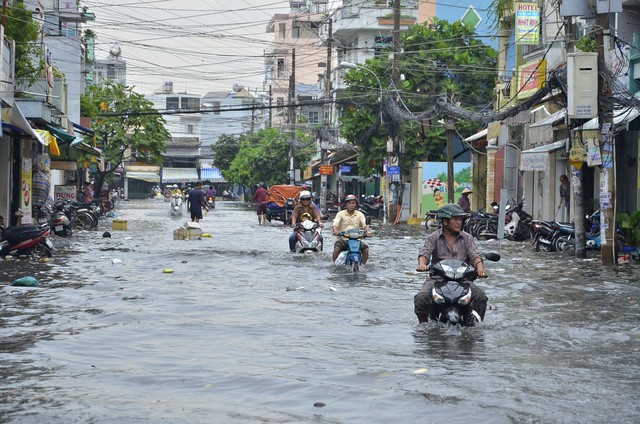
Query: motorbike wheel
pixel 486 231
pixel 83 222
pixel 41 250
pixel 68 232
pixel 564 243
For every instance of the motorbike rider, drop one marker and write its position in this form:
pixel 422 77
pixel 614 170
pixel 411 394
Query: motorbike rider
pixel 449 242
pixel 303 207
pixel 211 192
pixel 347 219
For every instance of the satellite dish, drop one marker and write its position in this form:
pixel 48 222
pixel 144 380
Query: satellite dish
pixel 238 87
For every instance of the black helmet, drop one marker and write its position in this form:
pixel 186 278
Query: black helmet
pixel 351 197
pixel 450 210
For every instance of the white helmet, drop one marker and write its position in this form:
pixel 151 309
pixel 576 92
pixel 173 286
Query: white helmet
pixel 305 194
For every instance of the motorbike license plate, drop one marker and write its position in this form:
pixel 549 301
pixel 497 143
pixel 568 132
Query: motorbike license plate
pixel 58 228
pixel 48 243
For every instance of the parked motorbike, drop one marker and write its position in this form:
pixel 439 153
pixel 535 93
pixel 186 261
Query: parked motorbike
pixel 452 293
pixel 309 237
pixel 32 240
pixel 517 225
pixel 353 256
pixel 61 219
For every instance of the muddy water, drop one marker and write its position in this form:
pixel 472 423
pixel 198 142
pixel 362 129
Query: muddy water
pixel 243 331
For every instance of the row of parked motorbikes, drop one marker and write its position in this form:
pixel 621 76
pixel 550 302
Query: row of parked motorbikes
pixel 61 218
pixel 549 236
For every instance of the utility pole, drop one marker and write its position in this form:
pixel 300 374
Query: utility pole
pixel 450 174
pixel 576 172
pixel 327 117
pixel 395 78
pixel 292 116
pixel 607 146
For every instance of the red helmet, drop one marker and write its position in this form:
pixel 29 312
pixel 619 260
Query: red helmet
pixel 351 197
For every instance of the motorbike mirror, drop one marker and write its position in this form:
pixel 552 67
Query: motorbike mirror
pixel 494 257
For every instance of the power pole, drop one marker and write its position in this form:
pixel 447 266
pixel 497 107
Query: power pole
pixel 292 116
pixel 327 118
pixel 395 78
pixel 450 174
pixel 607 145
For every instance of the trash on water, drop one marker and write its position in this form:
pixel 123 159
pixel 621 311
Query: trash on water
pixel 26 282
pixel 333 288
pixel 116 261
pixel 167 271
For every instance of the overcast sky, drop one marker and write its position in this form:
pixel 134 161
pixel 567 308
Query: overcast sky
pixel 200 45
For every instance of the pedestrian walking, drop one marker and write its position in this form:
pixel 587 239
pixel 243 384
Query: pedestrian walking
pixel 195 202
pixel 260 197
pixel 565 195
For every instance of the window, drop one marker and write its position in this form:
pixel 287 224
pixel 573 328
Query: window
pixel 280 72
pixel 216 108
pixel 282 29
pixel 173 103
pixel 314 117
pixel 295 31
pixel 190 103
pixel 190 129
pixel 382 42
pixel 280 103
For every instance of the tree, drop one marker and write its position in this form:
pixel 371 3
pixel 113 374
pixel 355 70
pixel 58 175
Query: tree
pixel 263 156
pixel 440 60
pixel 126 126
pixel 225 150
pixel 22 29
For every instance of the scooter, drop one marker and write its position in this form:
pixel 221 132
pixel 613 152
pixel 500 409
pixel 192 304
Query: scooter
pixel 354 257
pixel 211 202
pixel 281 213
pixel 309 237
pixel 176 205
pixel 61 220
pixel 32 240
pixel 452 294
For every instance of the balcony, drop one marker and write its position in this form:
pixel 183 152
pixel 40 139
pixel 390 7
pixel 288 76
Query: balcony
pixel 351 20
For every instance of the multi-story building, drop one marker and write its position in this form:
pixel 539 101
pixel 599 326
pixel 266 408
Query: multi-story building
pixel 294 52
pixel 113 68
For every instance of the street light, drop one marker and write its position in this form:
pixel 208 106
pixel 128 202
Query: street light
pixel 349 65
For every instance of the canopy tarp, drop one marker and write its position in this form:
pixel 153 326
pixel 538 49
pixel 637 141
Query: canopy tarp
pixel 280 193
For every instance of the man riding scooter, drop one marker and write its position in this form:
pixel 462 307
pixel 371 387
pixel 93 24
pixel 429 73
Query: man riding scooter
pixel 303 207
pixel 348 219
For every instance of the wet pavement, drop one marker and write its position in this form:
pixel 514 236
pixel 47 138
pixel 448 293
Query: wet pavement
pixel 243 331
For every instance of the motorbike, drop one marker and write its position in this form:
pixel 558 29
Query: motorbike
pixel 211 202
pixel 61 219
pixel 32 240
pixel 309 237
pixel 176 205
pixel 353 256
pixel 517 225
pixel 452 293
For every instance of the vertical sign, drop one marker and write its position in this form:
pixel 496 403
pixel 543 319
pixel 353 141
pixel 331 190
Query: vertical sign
pixel 527 23
pixel 25 191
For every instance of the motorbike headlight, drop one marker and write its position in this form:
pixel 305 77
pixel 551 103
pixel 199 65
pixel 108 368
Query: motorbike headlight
pixel 437 298
pixel 466 298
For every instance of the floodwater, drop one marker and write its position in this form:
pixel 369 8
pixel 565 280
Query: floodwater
pixel 245 332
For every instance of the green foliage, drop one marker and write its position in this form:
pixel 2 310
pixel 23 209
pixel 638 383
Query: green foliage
pixel 630 224
pixel 125 123
pixel 440 59
pixel 260 156
pixel 587 44
pixel 25 32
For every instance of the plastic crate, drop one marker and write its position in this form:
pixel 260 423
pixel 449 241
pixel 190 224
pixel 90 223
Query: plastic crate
pixel 119 224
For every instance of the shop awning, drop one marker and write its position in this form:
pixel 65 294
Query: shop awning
pixel 15 117
pixel 150 177
pixel 60 134
pixel 179 175
pixel 354 178
pixel 537 158
pixel 620 117
pixel 83 130
pixel 477 135
pixel 211 174
pixel 81 145
pixel 550 120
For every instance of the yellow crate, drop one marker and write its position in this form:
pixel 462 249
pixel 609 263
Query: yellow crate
pixel 119 224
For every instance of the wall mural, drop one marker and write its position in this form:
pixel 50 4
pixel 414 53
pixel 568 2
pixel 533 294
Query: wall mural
pixel 434 183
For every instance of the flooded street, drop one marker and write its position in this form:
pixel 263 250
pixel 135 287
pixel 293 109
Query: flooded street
pixel 245 332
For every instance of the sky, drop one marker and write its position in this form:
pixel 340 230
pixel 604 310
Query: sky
pixel 200 45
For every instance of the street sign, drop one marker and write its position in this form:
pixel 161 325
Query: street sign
pixel 326 170
pixel 345 169
pixel 393 170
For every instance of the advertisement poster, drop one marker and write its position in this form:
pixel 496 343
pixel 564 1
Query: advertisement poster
pixel 25 191
pixel 65 192
pixel 434 183
pixel 527 23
